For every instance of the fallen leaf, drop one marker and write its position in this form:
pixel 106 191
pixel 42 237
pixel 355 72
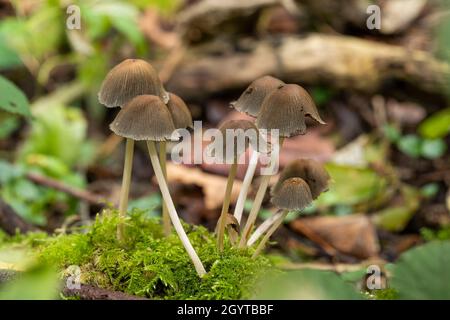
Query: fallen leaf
pixel 353 235
pixel 213 186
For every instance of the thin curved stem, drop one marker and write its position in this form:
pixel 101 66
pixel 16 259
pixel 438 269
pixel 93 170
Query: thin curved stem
pixel 172 211
pixel 167 226
pixel 125 190
pixel 254 211
pixel 256 205
pixel 269 233
pixel 225 206
pixel 239 208
pixel 262 228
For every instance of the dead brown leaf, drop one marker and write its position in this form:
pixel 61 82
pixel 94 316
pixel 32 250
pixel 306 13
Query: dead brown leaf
pixel 353 235
pixel 213 186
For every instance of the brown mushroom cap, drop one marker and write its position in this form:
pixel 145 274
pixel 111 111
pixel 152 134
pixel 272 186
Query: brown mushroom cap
pixel 128 79
pixel 309 170
pixel 179 111
pixel 239 129
pixel 293 194
pixel 145 117
pixel 252 98
pixel 285 109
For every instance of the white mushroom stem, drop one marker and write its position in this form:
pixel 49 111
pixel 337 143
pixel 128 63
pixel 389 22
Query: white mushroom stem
pixel 167 227
pixel 256 205
pixel 172 211
pixel 269 233
pixel 239 209
pixel 125 190
pixel 255 210
pixel 225 206
pixel 263 227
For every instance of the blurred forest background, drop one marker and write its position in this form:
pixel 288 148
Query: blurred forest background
pixel 383 93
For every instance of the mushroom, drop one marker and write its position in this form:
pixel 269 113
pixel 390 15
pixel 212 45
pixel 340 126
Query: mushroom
pixel 250 103
pixel 182 119
pixel 299 184
pixel 309 170
pixel 252 98
pixel 241 131
pixel 146 117
pixel 128 79
pixel 285 110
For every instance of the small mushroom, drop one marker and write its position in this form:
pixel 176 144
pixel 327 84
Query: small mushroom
pixel 309 170
pixel 292 194
pixel 239 130
pixel 179 111
pixel 182 119
pixel 128 79
pixel 146 117
pixel 285 109
pixel 300 182
pixel 252 98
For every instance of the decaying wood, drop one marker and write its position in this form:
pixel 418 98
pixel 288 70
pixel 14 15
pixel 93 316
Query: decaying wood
pixel 209 16
pixel 339 61
pixel 11 222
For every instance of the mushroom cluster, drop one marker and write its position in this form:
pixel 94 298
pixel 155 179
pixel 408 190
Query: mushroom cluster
pixel 276 106
pixel 282 107
pixel 151 114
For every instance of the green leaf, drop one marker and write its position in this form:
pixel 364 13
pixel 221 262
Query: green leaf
pixel 410 145
pixel 12 98
pixel 429 190
pixel 8 57
pixel 58 132
pixel 307 284
pixel 424 272
pixel 395 218
pixel 37 284
pixel 8 124
pixel 365 186
pixel 391 132
pixel 433 149
pixel 437 125
pixel 147 205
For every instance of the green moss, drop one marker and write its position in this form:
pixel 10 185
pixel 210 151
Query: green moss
pixel 385 294
pixel 148 264
pixel 431 235
pixel 29 240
